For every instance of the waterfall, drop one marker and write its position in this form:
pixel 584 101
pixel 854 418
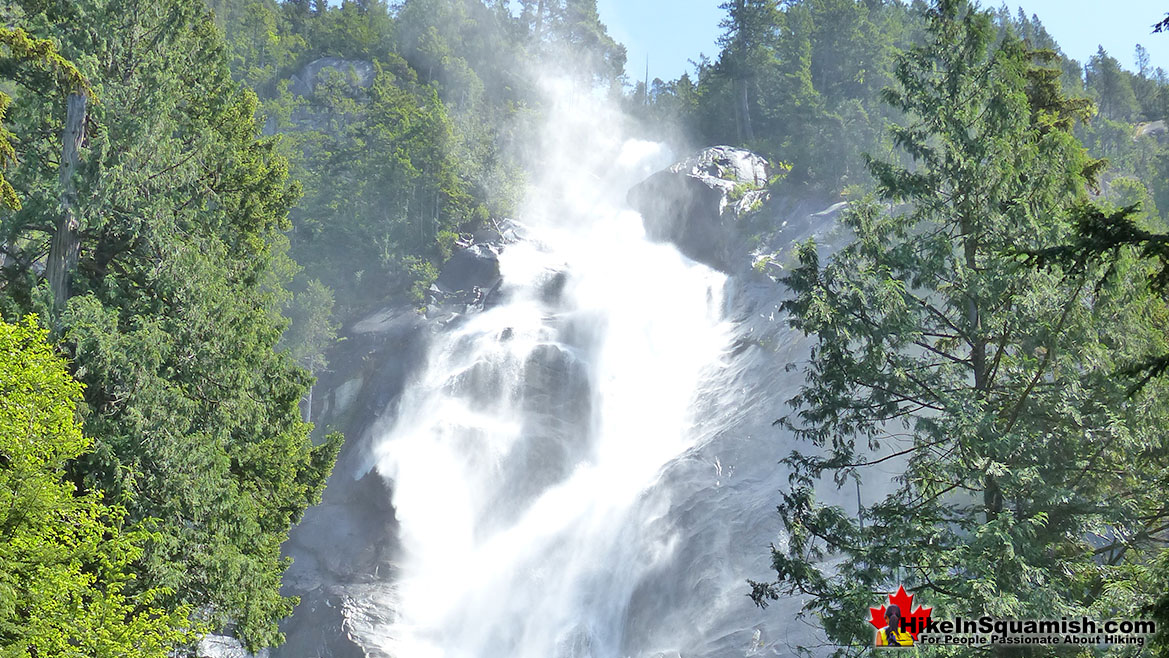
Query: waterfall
pixel 525 456
pixel 526 448
pixel 584 467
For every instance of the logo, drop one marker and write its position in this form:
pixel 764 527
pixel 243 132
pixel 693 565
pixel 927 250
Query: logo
pixel 898 625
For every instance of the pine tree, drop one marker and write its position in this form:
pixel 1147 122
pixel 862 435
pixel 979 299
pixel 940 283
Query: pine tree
pixel 1111 86
pixel 1028 473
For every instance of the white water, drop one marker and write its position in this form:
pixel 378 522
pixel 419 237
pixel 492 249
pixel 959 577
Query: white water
pixel 522 456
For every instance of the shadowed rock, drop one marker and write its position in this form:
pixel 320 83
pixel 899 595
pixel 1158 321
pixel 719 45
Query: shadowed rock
pixel 476 266
pixel 695 203
pixel 358 72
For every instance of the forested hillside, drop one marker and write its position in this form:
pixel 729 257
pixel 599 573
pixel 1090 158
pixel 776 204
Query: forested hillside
pixel 801 83
pixel 196 197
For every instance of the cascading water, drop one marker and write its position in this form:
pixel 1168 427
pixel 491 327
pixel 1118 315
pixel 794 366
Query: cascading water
pixel 528 444
pixel 584 469
pixel 522 457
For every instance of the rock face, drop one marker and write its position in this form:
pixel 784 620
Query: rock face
pixel 344 550
pixel 357 76
pixel 346 546
pixel 222 646
pixel 470 279
pixel 1156 129
pixel 694 203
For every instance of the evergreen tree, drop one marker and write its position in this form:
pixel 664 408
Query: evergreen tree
pixel 386 165
pixel 29 59
pixel 173 315
pixel 1029 473
pixel 748 43
pixel 1110 86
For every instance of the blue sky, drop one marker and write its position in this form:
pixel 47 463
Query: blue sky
pixel 671 32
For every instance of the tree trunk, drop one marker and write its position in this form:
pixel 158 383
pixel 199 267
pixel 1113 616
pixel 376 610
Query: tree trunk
pixel 748 135
pixel 306 405
pixel 66 245
pixel 539 27
pixel 992 497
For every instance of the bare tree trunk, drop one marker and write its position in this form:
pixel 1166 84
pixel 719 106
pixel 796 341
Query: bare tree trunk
pixel 306 405
pixel 744 109
pixel 63 252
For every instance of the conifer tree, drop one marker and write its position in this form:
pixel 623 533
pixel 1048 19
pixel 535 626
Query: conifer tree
pixel 174 318
pixel 1028 473
pixel 748 42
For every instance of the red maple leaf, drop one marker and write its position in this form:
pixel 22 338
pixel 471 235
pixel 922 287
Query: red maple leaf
pixel 913 622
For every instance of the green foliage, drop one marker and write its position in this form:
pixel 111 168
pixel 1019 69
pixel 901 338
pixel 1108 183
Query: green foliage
pixel 384 166
pixel 740 190
pixel 35 57
pixel 563 32
pixel 176 319
pixel 67 587
pixel 433 146
pixel 800 80
pixel 1111 87
pixel 312 330
pixel 998 389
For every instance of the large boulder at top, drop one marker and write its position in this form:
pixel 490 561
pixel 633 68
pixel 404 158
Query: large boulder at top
pixel 694 203
pixel 476 266
pixel 1156 129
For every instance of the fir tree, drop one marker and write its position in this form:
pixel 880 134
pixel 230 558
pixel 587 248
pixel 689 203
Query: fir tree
pixel 1028 473
pixel 66 577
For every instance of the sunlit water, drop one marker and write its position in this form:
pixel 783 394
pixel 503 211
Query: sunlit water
pixel 587 468
pixel 521 456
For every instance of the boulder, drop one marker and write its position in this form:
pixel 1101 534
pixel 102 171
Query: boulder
pixel 476 266
pixel 695 203
pixel 1155 129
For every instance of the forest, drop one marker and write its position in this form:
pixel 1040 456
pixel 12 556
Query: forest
pixel 197 198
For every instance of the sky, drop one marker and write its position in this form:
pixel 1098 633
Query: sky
pixel 673 32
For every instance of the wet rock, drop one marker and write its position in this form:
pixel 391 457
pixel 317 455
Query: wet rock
pixel 552 289
pixel 476 266
pixel 346 547
pixel 322 628
pixel 577 643
pixel 694 203
pixel 487 236
pixel 223 646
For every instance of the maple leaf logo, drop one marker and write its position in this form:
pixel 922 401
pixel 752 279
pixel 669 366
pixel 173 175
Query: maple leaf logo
pixel 911 622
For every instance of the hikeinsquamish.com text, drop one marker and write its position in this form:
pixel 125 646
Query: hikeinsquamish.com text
pixel 1015 632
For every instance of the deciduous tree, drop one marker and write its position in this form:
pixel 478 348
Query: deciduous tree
pixel 67 585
